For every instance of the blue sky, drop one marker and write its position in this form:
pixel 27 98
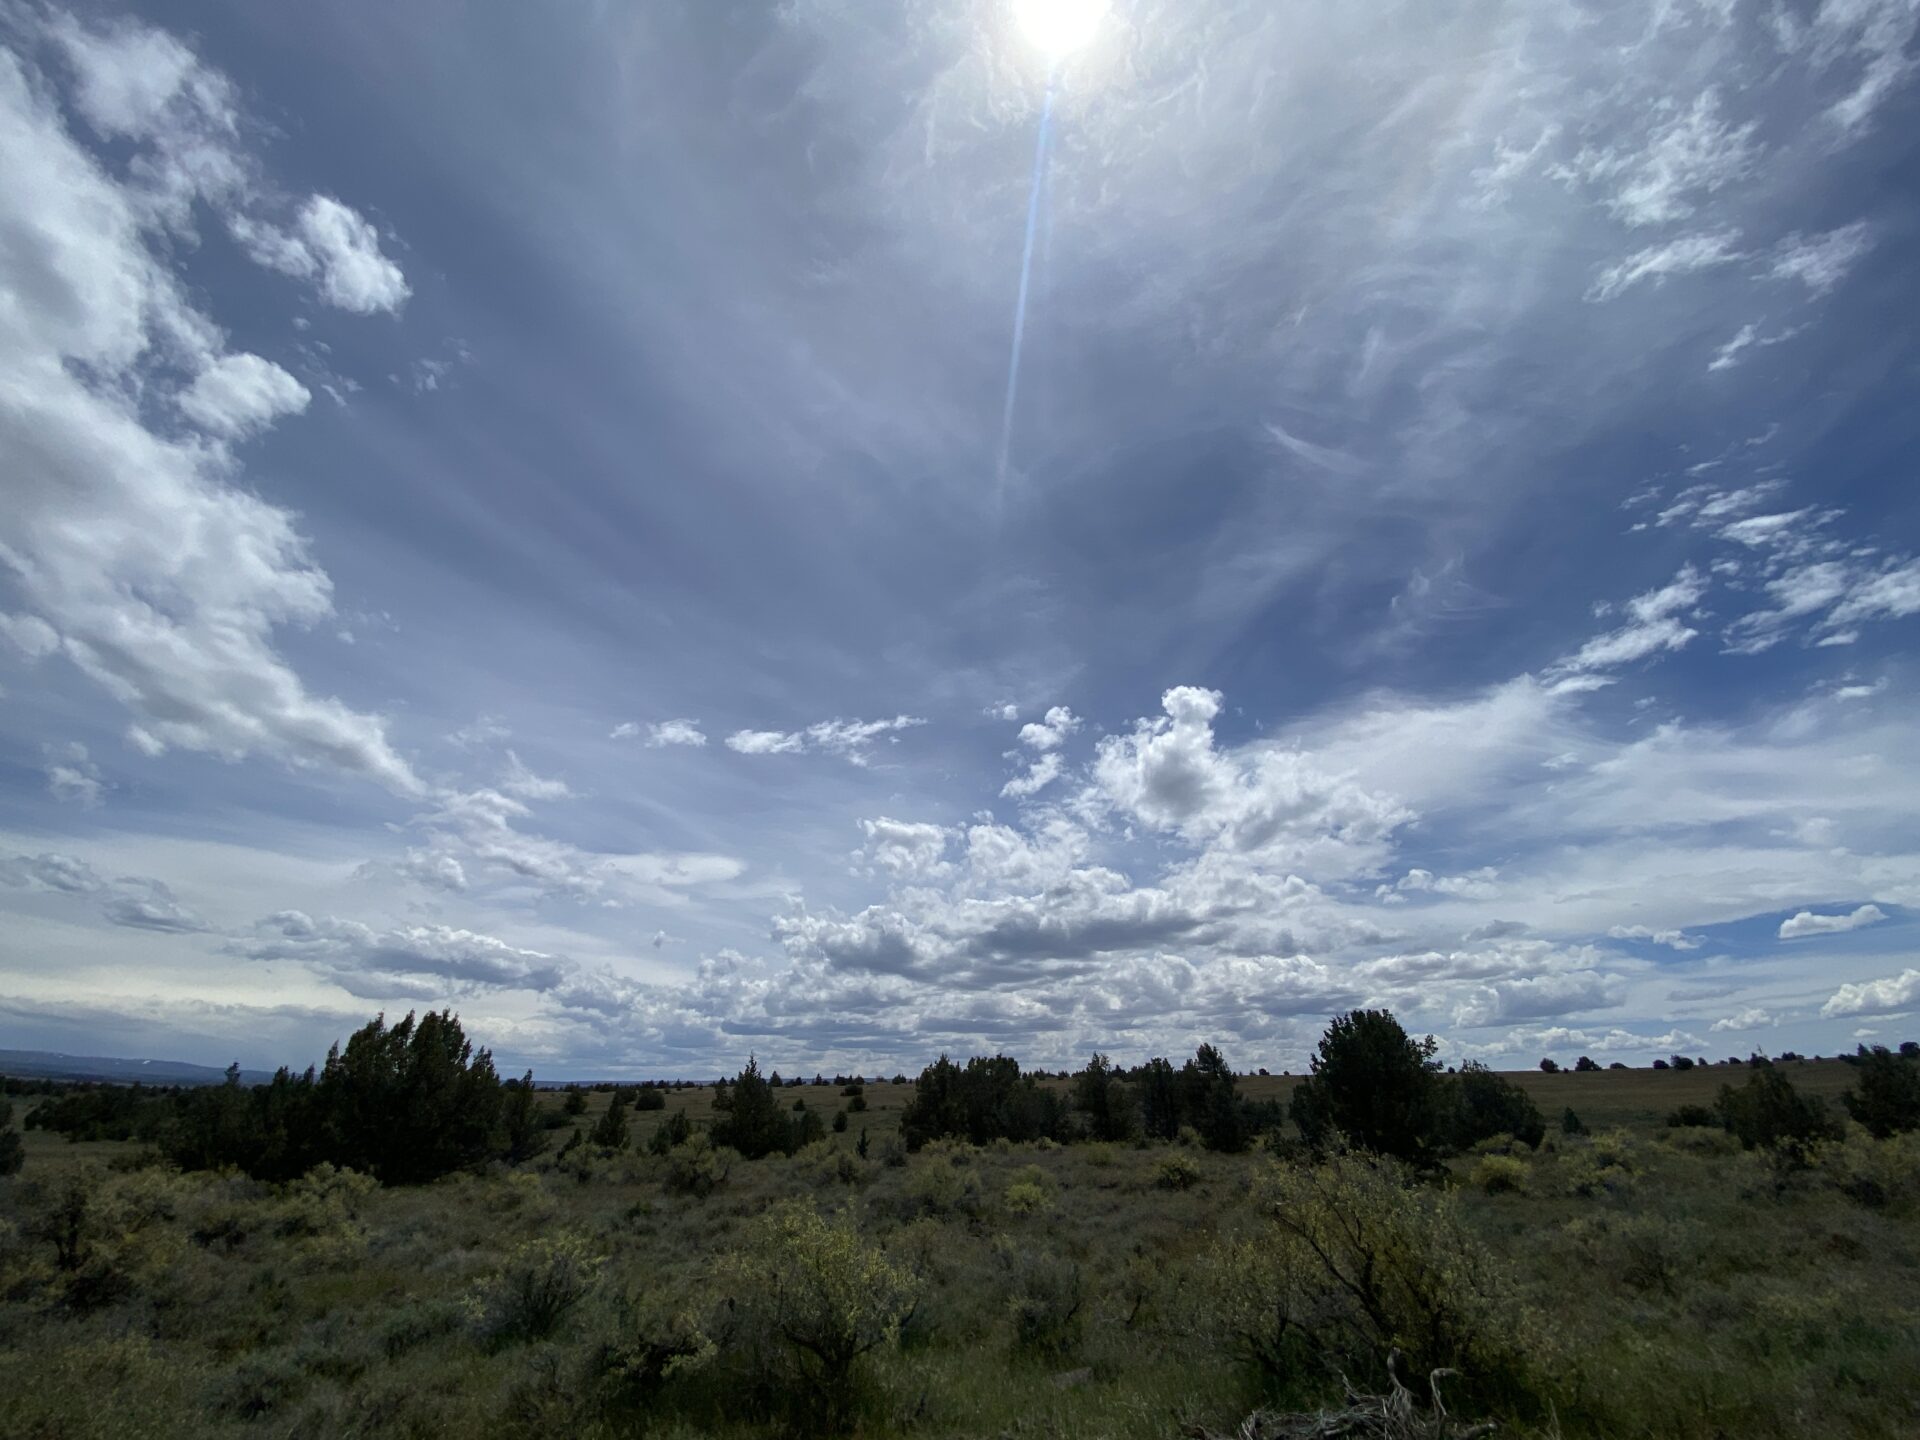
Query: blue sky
pixel 504 510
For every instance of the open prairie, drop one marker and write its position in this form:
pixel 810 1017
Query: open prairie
pixel 1637 1280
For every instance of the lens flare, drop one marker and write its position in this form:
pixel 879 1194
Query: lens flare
pixel 1057 28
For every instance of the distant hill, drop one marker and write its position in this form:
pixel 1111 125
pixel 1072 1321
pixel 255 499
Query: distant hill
pixel 50 1065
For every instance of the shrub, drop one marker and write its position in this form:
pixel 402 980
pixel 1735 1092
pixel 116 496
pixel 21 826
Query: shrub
pixel 813 1298
pixel 1045 1297
pixel 1484 1104
pixel 698 1167
pixel 1571 1123
pixel 676 1129
pixel 1499 1174
pixel 1692 1115
pixel 528 1297
pixel 649 1097
pixel 13 1153
pixel 1030 1192
pixel 1375 1085
pixel 1768 1113
pixel 1352 1263
pixel 575 1103
pixel 1879 1174
pixel 752 1123
pixel 1176 1172
pixel 1886 1096
pixel 940 1187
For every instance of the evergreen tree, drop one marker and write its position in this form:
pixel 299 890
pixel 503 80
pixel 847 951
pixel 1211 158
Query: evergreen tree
pixel 610 1131
pixel 1886 1096
pixel 1374 1084
pixel 753 1122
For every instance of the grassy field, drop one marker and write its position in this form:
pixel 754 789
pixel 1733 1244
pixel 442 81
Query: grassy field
pixel 1641 1281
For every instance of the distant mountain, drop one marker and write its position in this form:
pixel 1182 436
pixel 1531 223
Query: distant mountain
pixel 49 1065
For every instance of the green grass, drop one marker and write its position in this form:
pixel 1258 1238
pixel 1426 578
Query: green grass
pixel 1671 1286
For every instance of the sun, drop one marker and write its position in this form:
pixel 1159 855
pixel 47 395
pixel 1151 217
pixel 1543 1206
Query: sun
pixel 1057 28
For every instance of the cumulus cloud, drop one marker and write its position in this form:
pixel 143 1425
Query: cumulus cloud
pixel 1751 1018
pixel 72 777
pixel 333 245
pixel 1808 923
pixel 162 580
pixel 1052 732
pixel 239 394
pixel 1876 997
pixel 675 732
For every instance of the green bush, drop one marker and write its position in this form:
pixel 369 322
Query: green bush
pixel 1352 1262
pixel 541 1282
pixel 1694 1116
pixel 1176 1172
pixel 698 1167
pixel 1768 1113
pixel 812 1298
pixel 1045 1299
pixel 1481 1104
pixel 1499 1175
pixel 1886 1097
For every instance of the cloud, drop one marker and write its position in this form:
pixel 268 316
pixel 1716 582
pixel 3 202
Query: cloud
pixel 849 739
pixel 1052 732
pixel 522 782
pixel 1751 1018
pixel 163 581
pixel 1876 997
pixel 1657 263
pixel 73 778
pixel 1040 773
pixel 675 732
pixel 333 245
pixel 132 901
pixel 240 394
pixel 1672 939
pixel 1822 262
pixel 1807 923
pixel 1689 153
pixel 424 962
pixel 1654 628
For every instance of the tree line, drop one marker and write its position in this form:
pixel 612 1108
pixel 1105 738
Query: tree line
pixel 409 1102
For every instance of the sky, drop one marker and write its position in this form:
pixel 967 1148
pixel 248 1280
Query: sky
pixel 505 508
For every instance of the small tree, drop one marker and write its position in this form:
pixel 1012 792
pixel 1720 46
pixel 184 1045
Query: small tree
pixel 1375 1084
pixel 753 1123
pixel 610 1131
pixel 1549 1067
pixel 576 1102
pixel 1485 1104
pixel 1885 1098
pixel 13 1153
pixel 676 1129
pixel 1768 1113
pixel 1584 1064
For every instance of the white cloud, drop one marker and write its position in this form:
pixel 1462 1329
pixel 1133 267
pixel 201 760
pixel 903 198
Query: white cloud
pixel 425 962
pixel 1751 1018
pixel 676 732
pixel 1042 772
pixel 1821 262
pixel 1807 923
pixel 1653 628
pixel 1052 732
pixel 1673 939
pixel 1687 154
pixel 239 394
pixel 627 730
pixel 333 245
pixel 1876 997
pixel 1684 256
pixel 75 784
pixel 163 581
pixel 849 739
pixel 526 785
pixel 131 901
